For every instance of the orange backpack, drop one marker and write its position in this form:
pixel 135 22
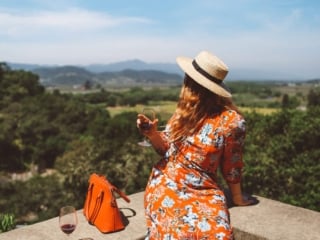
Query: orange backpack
pixel 100 207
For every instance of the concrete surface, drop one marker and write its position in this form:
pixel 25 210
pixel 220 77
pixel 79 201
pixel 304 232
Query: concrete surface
pixel 49 230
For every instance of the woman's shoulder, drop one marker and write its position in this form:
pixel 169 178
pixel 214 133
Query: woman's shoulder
pixel 230 113
pixel 229 118
pixel 234 120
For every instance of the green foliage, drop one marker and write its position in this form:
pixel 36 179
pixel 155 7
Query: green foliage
pixel 289 102
pixel 17 85
pixel 37 129
pixel 282 157
pixel 132 97
pixel 34 200
pixel 314 97
pixel 121 160
pixel 7 222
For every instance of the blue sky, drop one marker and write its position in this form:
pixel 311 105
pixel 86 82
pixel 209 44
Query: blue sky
pixel 267 35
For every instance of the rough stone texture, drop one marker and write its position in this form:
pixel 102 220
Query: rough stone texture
pixel 268 220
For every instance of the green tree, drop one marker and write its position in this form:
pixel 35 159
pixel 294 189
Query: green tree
pixel 314 97
pixel 289 102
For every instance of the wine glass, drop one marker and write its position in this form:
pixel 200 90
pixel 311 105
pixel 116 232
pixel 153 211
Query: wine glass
pixel 151 114
pixel 68 219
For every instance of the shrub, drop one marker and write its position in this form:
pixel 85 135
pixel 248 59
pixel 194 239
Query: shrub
pixel 7 222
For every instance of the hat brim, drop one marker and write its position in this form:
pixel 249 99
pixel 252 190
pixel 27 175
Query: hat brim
pixel 185 64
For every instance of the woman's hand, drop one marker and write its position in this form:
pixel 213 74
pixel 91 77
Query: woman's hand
pixel 150 129
pixel 244 200
pixel 146 126
pixel 239 198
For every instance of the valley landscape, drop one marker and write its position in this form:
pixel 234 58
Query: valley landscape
pixel 59 124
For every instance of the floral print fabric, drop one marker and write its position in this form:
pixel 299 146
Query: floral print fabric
pixel 182 199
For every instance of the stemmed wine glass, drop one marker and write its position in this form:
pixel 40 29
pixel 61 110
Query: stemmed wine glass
pixel 151 114
pixel 68 219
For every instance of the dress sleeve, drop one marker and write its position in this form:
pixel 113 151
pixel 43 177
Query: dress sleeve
pixel 232 163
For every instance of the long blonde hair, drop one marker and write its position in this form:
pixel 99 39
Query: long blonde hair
pixel 195 104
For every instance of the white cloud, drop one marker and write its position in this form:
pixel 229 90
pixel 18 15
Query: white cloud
pixel 14 24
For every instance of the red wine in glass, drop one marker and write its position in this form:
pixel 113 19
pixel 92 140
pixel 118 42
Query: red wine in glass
pixel 145 126
pixel 68 228
pixel 68 219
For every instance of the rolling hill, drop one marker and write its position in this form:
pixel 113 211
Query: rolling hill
pixel 71 75
pixel 136 72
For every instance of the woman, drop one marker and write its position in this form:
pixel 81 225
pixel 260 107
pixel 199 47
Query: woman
pixel 206 132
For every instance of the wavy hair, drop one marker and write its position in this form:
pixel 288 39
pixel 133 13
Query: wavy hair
pixel 195 104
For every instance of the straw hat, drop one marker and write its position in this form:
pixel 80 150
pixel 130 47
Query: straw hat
pixel 207 70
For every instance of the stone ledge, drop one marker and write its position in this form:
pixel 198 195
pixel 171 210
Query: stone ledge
pixel 49 230
pixel 275 221
pixel 268 220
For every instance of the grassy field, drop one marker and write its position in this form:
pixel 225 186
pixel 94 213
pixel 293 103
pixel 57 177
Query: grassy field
pixel 165 109
pixel 264 111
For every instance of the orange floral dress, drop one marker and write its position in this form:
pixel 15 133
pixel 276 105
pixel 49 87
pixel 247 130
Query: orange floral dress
pixel 182 199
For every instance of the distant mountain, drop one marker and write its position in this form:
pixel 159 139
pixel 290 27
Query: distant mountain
pixel 135 65
pixel 132 72
pixel 71 75
pixel 93 71
pixel 66 75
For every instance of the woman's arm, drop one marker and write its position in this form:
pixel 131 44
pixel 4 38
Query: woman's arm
pixel 158 142
pixel 232 163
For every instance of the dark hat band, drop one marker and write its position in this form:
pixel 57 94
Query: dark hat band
pixel 205 74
